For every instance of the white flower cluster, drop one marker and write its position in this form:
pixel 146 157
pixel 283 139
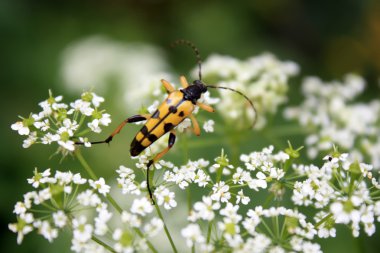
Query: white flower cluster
pixel 341 187
pixel 330 116
pixel 341 191
pixel 263 78
pixel 241 233
pixel 63 123
pixel 65 199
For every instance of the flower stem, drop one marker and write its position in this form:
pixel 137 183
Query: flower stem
pixel 323 220
pixel 112 201
pixel 148 242
pixel 85 165
pixel 106 246
pixel 165 227
pixel 209 231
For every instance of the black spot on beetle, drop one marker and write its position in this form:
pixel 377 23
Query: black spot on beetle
pixel 156 114
pixel 181 113
pixel 168 127
pixel 136 147
pixel 144 130
pixel 152 138
pixel 172 109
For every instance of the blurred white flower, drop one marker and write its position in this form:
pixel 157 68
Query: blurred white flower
pixel 263 78
pixel 330 117
pixel 101 62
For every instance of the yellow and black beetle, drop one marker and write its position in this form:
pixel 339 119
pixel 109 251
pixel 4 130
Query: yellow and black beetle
pixel 178 106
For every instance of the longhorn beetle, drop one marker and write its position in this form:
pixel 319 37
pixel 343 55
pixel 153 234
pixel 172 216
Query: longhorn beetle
pixel 178 106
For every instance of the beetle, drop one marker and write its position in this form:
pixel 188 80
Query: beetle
pixel 178 106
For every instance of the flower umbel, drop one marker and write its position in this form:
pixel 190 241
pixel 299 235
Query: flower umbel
pixel 62 123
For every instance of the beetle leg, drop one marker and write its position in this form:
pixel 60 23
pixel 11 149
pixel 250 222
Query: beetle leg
pixel 156 158
pixel 205 107
pixel 196 129
pixel 184 82
pixel 135 118
pixel 168 87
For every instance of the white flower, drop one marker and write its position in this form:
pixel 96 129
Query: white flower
pixel 122 245
pixel 47 231
pixel 20 128
pixel 220 192
pixel 165 197
pixel 205 209
pixel 82 231
pixel 83 106
pixel 94 126
pixel 88 198
pixel 49 138
pixel 201 178
pixel 153 227
pixel 23 226
pixel 260 182
pixel 141 206
pixel 100 186
pixel 101 220
pixel 60 219
pixel 240 197
pixel 131 219
pixel 20 208
pixel 39 178
pixel 186 123
pixel 32 138
pixel 208 126
pixel 77 179
pixel 69 145
pixel 85 142
pixel 105 120
pixel 193 235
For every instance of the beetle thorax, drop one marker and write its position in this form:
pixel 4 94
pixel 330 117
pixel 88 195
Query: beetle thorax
pixel 193 92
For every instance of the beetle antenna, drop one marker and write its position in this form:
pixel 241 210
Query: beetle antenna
pixel 241 94
pixel 196 51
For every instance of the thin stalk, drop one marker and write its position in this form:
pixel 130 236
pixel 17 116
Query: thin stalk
pixel 324 219
pixel 267 228
pixel 85 165
pixel 151 247
pixel 106 246
pixel 89 170
pixel 165 227
pixel 209 231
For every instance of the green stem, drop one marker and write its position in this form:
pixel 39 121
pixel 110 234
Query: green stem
pixel 324 219
pixel 209 231
pixel 85 165
pixel 89 170
pixel 267 228
pixel 165 227
pixel 106 246
pixel 148 242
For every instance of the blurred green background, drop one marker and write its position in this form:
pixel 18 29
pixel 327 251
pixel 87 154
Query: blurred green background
pixel 326 38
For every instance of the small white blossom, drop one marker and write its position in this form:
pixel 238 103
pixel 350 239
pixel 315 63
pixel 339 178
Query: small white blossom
pixel 60 219
pixel 208 126
pixel 153 227
pixel 165 197
pixel 100 186
pixel 193 235
pixel 141 206
pixel 82 231
pixel 220 192
pixel 20 128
